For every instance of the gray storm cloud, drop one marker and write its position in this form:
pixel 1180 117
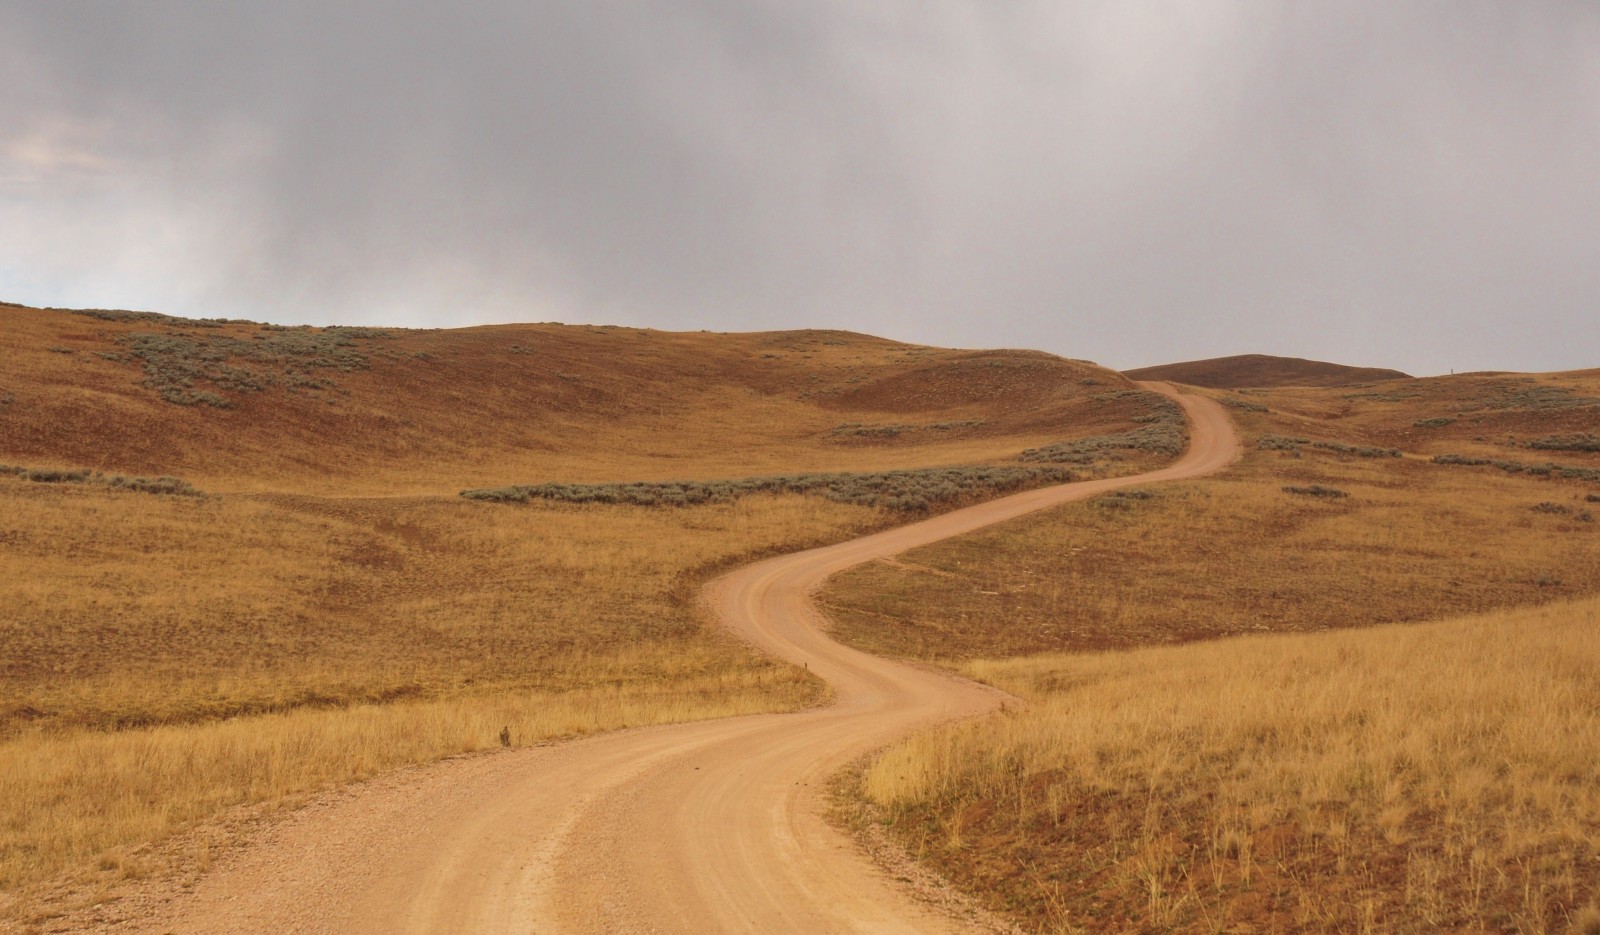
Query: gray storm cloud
pixel 1408 185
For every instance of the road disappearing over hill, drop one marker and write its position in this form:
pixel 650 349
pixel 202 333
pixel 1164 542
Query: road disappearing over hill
pixel 712 826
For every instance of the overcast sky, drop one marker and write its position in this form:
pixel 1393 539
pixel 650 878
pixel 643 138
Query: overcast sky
pixel 1405 184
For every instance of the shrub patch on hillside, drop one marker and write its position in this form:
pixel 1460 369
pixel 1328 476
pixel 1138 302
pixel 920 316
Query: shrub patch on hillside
pixel 1582 441
pixel 1565 471
pixel 907 491
pixel 1383 397
pixel 164 485
pixel 1317 490
pixel 1162 431
pixel 156 318
pixel 1530 395
pixel 1294 443
pixel 199 370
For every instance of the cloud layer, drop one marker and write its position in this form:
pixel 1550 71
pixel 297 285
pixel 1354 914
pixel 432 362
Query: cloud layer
pixel 1407 185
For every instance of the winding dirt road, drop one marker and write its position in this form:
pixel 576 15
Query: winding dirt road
pixel 705 827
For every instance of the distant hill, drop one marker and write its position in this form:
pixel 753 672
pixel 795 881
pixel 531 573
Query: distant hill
pixel 1262 370
pixel 241 406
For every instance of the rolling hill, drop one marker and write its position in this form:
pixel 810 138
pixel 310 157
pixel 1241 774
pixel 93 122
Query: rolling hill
pixel 233 405
pixel 1257 370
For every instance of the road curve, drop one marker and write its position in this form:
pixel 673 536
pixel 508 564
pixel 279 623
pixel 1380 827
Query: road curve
pixel 712 826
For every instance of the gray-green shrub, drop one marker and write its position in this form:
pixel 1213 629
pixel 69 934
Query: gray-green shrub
pixel 906 491
pixel 1317 490
pixel 1161 430
pixel 174 486
pixel 174 362
pixel 1581 441
pixel 1565 471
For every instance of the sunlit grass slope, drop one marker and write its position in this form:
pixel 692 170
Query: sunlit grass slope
pixel 1432 777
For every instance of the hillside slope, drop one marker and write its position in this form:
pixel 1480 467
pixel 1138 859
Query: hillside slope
pixel 1251 370
pixel 239 405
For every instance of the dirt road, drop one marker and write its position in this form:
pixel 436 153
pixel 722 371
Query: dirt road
pixel 696 828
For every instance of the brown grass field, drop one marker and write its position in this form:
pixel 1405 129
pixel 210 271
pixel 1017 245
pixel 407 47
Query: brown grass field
pixel 1434 777
pixel 328 607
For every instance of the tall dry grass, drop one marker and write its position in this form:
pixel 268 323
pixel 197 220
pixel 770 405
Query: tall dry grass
pixel 79 803
pixel 1412 778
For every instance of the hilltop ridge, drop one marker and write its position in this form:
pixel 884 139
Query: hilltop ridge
pixel 1258 370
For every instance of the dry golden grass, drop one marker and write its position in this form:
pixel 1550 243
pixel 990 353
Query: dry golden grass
pixel 1413 778
pixel 1439 776
pixel 123 610
pixel 332 608
pixel 130 611
pixel 79 804
pixel 1233 554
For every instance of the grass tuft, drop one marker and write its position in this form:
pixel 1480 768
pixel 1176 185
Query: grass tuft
pixel 1586 921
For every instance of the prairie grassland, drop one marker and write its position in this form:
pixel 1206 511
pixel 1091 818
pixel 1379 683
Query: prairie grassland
pixel 124 610
pixel 331 608
pixel 134 623
pixel 1428 777
pixel 1233 554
